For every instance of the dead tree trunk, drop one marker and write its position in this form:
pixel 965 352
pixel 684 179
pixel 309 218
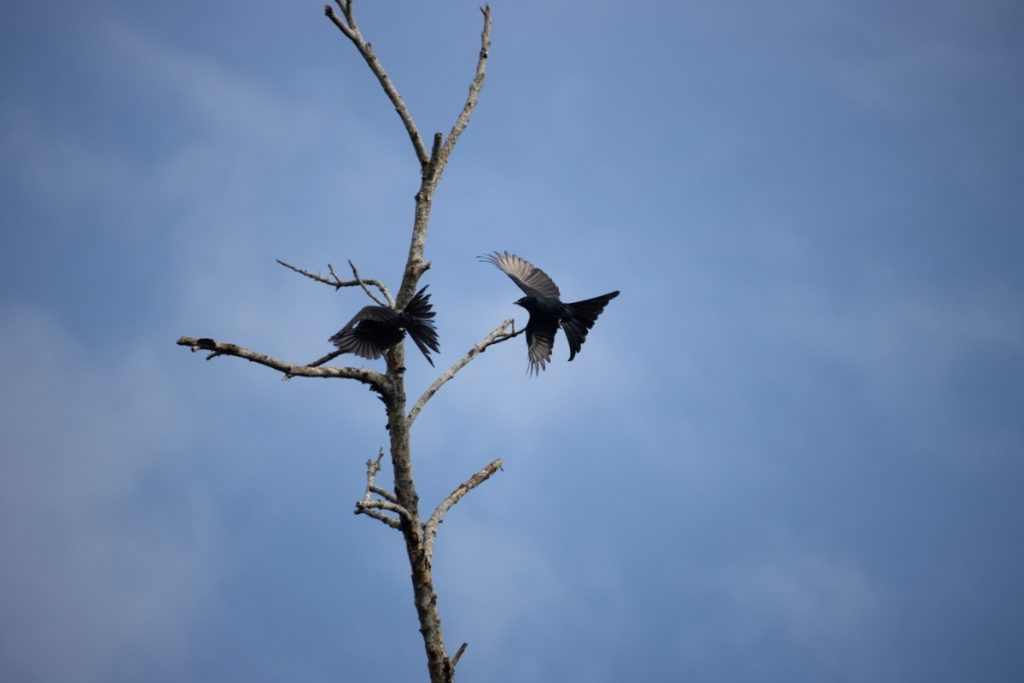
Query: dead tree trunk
pixel 398 509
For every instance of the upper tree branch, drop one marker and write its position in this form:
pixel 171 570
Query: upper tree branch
pixel 338 283
pixel 362 283
pixel 350 28
pixel 497 336
pixel 474 94
pixel 416 264
pixel 377 381
pixel 430 528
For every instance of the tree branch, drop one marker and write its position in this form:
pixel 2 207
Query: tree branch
pixel 350 28
pixel 458 654
pixel 416 264
pixel 362 283
pixel 372 468
pixel 364 505
pixel 474 93
pixel 381 517
pixel 384 493
pixel 338 283
pixel 324 359
pixel 377 381
pixel 371 508
pixel 430 528
pixel 497 336
pixel 406 503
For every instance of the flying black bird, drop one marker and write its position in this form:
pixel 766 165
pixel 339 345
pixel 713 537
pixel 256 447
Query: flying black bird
pixel 547 312
pixel 375 329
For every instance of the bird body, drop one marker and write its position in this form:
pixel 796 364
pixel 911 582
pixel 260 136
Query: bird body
pixel 375 329
pixel 547 312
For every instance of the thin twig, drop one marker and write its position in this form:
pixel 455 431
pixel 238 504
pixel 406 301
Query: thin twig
pixel 383 493
pixel 372 508
pixel 381 517
pixel 430 528
pixel 364 505
pixel 379 382
pixel 497 336
pixel 458 654
pixel 363 283
pixel 324 359
pixel 350 28
pixel 372 468
pixel 338 283
pixel 314 276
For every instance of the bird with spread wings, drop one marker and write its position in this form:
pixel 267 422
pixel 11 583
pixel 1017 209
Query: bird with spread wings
pixel 547 312
pixel 375 329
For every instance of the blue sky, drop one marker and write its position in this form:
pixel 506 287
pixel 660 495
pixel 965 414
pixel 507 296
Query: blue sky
pixel 790 451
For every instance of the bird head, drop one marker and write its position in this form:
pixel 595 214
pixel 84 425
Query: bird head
pixel 524 302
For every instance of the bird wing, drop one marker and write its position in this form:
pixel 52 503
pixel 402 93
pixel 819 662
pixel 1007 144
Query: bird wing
pixel 539 340
pixel 529 277
pixel 369 333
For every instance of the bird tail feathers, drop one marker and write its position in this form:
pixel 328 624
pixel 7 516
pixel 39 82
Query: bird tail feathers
pixel 420 324
pixel 583 315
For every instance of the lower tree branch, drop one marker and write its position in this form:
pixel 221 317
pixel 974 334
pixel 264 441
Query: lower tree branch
pixel 372 468
pixel 380 517
pixel 377 381
pixel 383 493
pixel 430 528
pixel 364 505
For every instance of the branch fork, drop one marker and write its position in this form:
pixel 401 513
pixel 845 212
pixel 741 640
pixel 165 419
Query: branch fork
pixel 376 508
pixel 338 283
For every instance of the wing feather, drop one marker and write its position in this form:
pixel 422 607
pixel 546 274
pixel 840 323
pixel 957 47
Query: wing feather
pixel 529 277
pixel 369 333
pixel 539 342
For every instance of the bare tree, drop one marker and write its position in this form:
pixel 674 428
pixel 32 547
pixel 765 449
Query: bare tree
pixel 400 508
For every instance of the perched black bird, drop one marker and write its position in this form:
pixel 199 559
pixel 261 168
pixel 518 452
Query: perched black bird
pixel 547 312
pixel 375 329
